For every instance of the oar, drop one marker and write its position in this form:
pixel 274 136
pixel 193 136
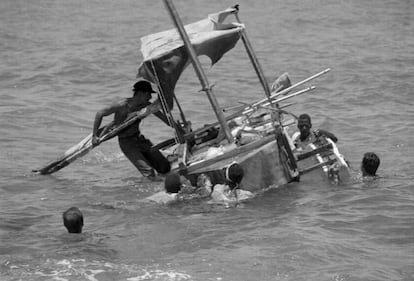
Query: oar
pixel 243 105
pixel 283 92
pixel 265 102
pixel 243 111
pixel 276 94
pixel 247 109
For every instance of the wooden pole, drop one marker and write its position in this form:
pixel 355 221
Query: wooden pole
pixel 258 69
pixel 274 95
pixel 253 57
pixel 198 69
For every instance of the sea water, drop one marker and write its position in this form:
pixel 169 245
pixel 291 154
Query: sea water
pixel 61 61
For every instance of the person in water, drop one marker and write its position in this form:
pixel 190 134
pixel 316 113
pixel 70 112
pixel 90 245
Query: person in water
pixel 172 185
pixel 138 149
pixel 305 136
pixel 369 164
pixel 230 191
pixel 73 220
pixel 178 188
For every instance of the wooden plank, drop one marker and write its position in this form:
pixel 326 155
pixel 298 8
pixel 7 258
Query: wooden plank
pixel 105 133
pixel 232 153
pixel 308 154
pixel 316 166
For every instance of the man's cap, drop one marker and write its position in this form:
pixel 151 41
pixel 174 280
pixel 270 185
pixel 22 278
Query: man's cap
pixel 143 86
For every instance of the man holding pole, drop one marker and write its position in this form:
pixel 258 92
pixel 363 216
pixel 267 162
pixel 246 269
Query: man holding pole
pixel 138 149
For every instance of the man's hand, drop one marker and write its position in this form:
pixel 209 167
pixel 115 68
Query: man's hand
pixel 326 134
pixel 95 140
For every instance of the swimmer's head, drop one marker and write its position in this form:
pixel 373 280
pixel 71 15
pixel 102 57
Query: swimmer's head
pixel 370 164
pixel 73 220
pixel 172 183
pixel 234 174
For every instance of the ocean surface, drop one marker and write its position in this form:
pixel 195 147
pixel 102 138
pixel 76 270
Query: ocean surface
pixel 61 61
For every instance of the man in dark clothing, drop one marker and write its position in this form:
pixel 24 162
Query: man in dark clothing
pixel 133 144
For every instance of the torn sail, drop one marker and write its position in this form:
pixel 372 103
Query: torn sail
pixel 165 57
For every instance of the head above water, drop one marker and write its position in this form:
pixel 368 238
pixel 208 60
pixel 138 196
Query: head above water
pixel 304 125
pixel 73 220
pixel 370 164
pixel 143 86
pixel 234 174
pixel 304 119
pixel 172 183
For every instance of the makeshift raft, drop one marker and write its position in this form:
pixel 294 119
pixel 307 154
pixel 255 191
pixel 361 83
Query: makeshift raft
pixel 255 135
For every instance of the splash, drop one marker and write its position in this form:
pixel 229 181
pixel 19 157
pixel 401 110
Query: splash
pixel 74 269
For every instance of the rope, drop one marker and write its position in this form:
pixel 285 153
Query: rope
pixel 163 101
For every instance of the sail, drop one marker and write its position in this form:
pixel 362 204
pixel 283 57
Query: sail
pixel 165 57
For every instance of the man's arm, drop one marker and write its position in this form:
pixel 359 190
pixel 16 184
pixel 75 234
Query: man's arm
pixel 328 134
pixel 155 108
pixel 98 120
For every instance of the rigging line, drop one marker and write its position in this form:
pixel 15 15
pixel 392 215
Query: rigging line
pixel 164 103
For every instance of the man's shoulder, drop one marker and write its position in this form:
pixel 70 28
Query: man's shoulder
pixel 121 103
pixel 221 188
pixel 244 194
pixel 220 193
pixel 118 105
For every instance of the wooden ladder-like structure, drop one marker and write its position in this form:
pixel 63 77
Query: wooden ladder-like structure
pixel 316 151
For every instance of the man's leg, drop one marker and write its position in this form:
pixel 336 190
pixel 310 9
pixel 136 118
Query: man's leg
pixel 153 156
pixel 157 161
pixel 129 147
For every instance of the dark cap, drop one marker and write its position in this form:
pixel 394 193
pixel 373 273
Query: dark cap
pixel 143 86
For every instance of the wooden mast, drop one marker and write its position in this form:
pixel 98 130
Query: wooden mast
pixel 198 69
pixel 252 55
pixel 258 69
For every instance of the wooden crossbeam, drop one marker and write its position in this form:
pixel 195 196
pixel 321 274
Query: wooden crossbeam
pixel 308 154
pixel 314 167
